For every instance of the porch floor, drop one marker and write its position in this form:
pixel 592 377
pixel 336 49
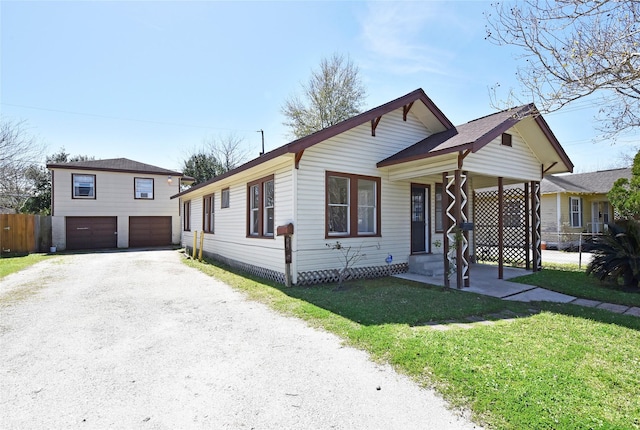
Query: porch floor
pixel 484 280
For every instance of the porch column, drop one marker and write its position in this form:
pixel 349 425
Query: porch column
pixel 465 216
pixel 445 228
pixel 500 229
pixel 456 241
pixel 536 228
pixel 527 226
pixel 457 213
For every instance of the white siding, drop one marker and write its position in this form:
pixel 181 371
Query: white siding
pixel 356 152
pixel 230 236
pixel 515 162
pixel 300 199
pixel 114 197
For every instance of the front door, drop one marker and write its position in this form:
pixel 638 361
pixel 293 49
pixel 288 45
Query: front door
pixel 419 219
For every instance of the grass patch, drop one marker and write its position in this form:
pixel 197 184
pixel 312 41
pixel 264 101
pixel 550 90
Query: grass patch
pixel 577 283
pixel 15 264
pixel 554 366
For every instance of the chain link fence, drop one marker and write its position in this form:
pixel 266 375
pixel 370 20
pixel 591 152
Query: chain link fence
pixel 567 248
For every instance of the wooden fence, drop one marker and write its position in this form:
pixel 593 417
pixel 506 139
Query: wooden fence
pixel 23 234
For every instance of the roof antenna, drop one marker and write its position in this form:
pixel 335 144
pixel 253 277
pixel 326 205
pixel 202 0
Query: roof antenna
pixel 261 131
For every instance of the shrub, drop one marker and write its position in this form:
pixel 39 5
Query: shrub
pixel 616 254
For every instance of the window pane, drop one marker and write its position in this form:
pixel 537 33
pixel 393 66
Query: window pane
pixel 366 192
pixel 268 222
pixel 144 188
pixel 417 211
pixel 83 185
pixel 268 194
pixel 338 190
pixel 366 206
pixel 438 207
pixel 255 221
pixel 338 216
pixel 366 220
pixel 576 212
pixel 268 208
pixel 225 198
pixel 255 196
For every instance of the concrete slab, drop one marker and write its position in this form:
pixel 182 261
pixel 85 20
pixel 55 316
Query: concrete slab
pixel 634 311
pixel 541 295
pixel 497 288
pixel 619 309
pixel 586 302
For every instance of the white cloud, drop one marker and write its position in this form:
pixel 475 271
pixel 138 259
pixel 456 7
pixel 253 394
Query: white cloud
pixel 402 38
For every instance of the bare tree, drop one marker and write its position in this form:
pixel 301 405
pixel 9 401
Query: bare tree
pixel 334 93
pixel 216 156
pixel 573 49
pixel 20 152
pixel 227 150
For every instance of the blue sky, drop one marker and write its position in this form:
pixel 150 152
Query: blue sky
pixel 150 80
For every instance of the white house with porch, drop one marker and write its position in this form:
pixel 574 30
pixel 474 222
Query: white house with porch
pixel 393 183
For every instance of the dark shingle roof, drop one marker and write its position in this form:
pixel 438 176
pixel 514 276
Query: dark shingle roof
pixel 591 182
pixel 115 165
pixel 298 146
pixel 473 135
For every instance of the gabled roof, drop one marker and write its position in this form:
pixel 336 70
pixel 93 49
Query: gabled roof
pixel 474 135
pixel 599 182
pixel 114 165
pixel 299 145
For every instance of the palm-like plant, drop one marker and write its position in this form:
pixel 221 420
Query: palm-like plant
pixel 616 254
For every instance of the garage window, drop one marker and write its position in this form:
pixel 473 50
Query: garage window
pixel 143 188
pixel 84 186
pixel 208 213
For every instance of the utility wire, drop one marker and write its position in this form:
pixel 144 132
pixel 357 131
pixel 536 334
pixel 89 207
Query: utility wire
pixel 123 118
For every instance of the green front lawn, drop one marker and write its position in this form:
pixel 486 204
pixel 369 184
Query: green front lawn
pixel 11 265
pixel 525 366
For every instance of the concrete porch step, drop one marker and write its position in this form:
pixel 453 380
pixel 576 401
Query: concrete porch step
pixel 427 264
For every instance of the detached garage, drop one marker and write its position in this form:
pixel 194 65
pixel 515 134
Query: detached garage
pixel 149 231
pixel 92 232
pixel 114 203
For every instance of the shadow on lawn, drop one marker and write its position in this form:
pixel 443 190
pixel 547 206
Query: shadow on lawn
pixel 374 302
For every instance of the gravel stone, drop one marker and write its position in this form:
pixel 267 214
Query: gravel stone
pixel 139 340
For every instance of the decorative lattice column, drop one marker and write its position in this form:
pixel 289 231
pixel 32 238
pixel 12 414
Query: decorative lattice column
pixel 455 212
pixel 536 226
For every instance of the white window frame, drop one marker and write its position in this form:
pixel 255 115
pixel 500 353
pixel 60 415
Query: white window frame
pixel 575 211
pixel 139 185
pixel 77 182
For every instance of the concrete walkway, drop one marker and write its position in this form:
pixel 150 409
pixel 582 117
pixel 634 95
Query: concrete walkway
pixel 484 280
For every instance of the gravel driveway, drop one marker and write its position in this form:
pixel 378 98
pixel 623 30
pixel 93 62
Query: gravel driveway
pixel 139 340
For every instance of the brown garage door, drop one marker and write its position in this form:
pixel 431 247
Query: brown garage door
pixel 92 232
pixel 149 231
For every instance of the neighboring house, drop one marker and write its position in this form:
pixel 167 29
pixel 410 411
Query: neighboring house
pixel 115 203
pixel 577 203
pixel 385 182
